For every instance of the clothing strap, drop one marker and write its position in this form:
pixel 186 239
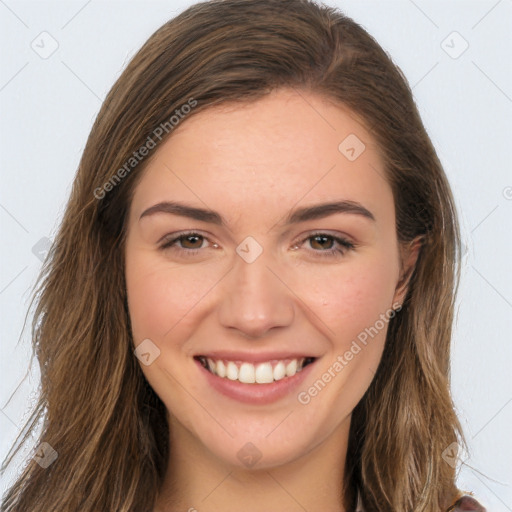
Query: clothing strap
pixel 466 503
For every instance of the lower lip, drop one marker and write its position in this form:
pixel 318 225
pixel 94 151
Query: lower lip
pixel 259 394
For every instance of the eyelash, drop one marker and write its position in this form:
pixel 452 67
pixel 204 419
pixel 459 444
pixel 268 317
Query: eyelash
pixel 343 242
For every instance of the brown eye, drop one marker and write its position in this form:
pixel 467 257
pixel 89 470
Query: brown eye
pixel 328 246
pixel 324 242
pixel 191 241
pixel 185 243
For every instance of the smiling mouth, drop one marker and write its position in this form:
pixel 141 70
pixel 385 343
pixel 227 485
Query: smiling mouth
pixel 259 373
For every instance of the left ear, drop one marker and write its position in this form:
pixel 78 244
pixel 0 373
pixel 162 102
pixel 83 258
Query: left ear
pixel 409 253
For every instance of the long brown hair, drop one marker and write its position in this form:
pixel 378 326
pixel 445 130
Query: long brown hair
pixel 98 412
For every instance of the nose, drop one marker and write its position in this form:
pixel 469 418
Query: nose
pixel 255 298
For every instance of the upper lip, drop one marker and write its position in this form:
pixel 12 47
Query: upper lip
pixel 253 357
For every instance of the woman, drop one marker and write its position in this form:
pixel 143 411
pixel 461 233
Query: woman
pixel 200 347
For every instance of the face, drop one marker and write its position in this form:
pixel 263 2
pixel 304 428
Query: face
pixel 254 308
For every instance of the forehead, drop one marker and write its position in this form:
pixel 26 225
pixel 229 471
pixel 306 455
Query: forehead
pixel 267 156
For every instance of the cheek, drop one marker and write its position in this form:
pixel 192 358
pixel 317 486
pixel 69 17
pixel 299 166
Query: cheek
pixel 354 303
pixel 163 295
pixel 349 298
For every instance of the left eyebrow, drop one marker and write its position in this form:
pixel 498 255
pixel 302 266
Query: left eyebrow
pixel 304 214
pixel 319 211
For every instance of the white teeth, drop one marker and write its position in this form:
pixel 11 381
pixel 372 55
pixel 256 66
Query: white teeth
pixel 232 371
pixel 220 369
pixel 291 368
pixel 247 374
pixel 279 371
pixel 264 373
pixel 261 373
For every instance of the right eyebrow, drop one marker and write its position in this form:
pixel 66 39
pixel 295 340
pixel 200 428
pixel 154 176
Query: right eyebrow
pixel 303 214
pixel 185 210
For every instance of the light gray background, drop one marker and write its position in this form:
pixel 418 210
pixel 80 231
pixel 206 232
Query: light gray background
pixel 47 107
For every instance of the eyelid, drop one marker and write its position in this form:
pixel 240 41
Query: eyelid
pixel 300 238
pixel 344 243
pixel 173 236
pixel 335 235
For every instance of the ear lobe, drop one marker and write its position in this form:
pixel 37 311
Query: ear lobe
pixel 408 256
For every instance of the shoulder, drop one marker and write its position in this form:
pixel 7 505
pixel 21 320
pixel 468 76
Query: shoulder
pixel 467 503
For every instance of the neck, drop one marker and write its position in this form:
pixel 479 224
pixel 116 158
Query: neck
pixel 199 481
